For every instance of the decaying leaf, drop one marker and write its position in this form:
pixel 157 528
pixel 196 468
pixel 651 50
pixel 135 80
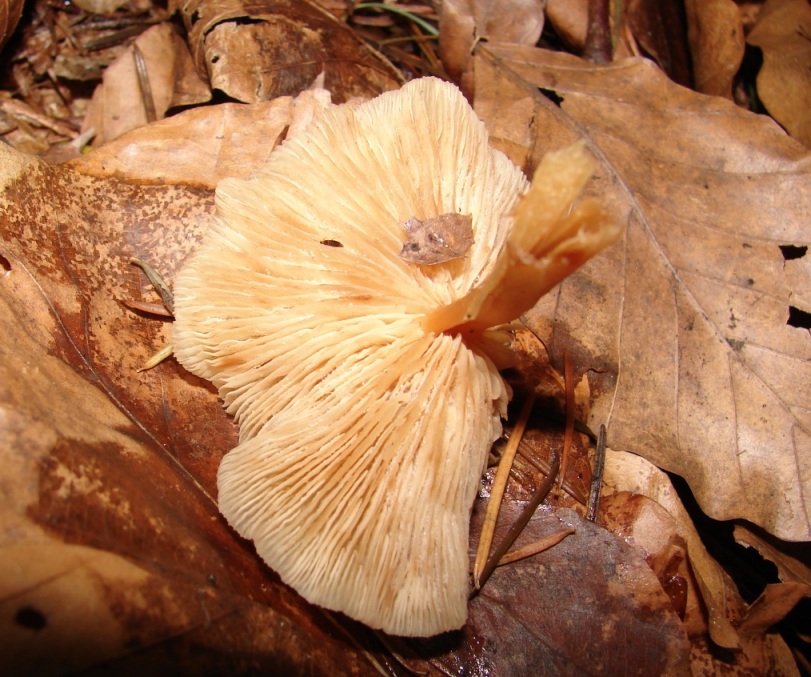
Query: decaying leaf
pixel 107 474
pixel 783 32
pixel 715 35
pixel 699 362
pixel 659 29
pixel 119 103
pixel 569 19
pixel 790 568
pixel 437 239
pixel 202 146
pixel 773 605
pixel 10 12
pixel 629 473
pixel 462 23
pixel 259 50
pixel 592 570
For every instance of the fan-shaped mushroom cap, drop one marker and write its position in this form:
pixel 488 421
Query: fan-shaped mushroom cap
pixel 362 434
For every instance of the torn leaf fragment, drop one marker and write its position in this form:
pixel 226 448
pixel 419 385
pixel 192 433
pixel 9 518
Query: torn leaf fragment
pixel 365 415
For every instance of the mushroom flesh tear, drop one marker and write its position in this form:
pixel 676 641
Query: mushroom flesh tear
pixel 365 385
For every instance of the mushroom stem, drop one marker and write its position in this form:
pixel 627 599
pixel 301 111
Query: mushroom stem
pixel 549 240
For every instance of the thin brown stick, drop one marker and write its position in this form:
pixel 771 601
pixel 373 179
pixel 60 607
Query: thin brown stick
pixel 497 492
pixel 597 477
pixel 568 379
pixel 518 526
pixel 542 465
pixel 536 547
pixel 143 83
pixel 158 309
pixel 598 34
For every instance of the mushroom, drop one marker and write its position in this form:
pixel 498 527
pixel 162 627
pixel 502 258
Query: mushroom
pixel 365 385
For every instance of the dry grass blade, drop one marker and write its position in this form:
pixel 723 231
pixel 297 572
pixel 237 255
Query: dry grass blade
pixel 497 493
pixel 568 376
pixel 597 478
pixel 167 297
pixel 544 466
pixel 144 84
pixel 157 309
pixel 518 526
pixel 535 547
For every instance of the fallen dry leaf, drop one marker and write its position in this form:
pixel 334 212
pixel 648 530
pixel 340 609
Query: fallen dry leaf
pixel 202 146
pixel 653 519
pixel 100 6
pixel 789 568
pixel 695 328
pixel 118 104
pixel 462 23
pixel 257 50
pixel 715 36
pixel 107 509
pixel 659 29
pixel 783 32
pixel 773 605
pixel 10 12
pixel 597 609
pixel 570 20
pixel 626 472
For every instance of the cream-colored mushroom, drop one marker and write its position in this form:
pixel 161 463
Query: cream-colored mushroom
pixel 364 384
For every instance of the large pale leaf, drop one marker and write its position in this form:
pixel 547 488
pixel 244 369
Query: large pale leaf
pixel 695 326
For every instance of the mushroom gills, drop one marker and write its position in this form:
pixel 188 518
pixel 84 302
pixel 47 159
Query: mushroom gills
pixel 366 386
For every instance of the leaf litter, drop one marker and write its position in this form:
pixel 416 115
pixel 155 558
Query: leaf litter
pixel 591 340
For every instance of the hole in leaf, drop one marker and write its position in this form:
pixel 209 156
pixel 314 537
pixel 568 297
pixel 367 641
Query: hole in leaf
pixel 31 618
pixel 552 95
pixel 5 265
pixel 791 252
pixel 798 318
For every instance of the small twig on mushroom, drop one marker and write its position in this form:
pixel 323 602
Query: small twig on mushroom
pixel 143 83
pixel 497 492
pixel 518 526
pixel 536 547
pixel 597 477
